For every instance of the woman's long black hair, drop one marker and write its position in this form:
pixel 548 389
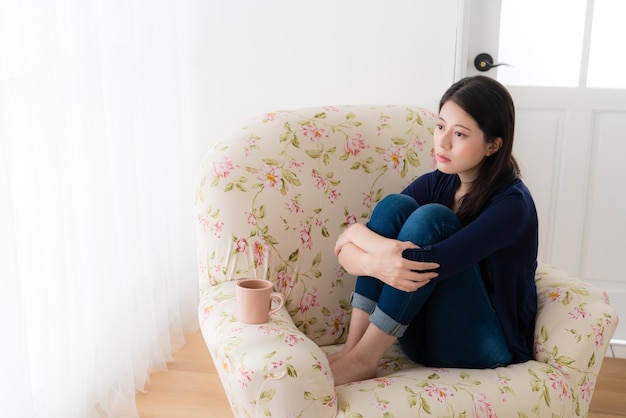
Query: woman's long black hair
pixel 491 106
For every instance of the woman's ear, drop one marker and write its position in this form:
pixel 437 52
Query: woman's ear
pixel 494 146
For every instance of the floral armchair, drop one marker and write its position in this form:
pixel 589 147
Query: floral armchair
pixel 270 201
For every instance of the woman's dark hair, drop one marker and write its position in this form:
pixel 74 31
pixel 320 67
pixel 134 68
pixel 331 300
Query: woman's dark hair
pixel 490 104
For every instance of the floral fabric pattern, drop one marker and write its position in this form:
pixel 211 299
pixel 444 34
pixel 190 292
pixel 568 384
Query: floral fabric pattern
pixel 270 201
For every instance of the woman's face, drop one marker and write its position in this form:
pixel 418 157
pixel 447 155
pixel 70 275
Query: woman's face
pixel 460 145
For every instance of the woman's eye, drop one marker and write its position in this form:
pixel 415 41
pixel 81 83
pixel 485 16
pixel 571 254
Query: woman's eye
pixel 439 126
pixel 459 134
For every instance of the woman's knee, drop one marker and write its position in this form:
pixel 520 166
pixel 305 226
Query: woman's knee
pixel 430 224
pixel 390 214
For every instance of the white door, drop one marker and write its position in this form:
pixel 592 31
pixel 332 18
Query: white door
pixel 571 125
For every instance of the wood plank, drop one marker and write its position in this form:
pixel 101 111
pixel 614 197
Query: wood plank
pixel 190 388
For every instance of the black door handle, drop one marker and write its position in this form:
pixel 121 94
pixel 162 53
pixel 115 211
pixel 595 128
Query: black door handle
pixel 484 62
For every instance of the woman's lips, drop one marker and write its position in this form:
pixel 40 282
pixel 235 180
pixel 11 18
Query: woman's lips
pixel 442 159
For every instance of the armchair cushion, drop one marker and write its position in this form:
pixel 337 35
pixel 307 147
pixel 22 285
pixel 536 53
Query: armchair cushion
pixel 270 201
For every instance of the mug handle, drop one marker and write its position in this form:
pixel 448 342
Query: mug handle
pixel 281 302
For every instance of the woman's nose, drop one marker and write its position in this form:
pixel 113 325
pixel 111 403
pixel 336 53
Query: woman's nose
pixel 444 140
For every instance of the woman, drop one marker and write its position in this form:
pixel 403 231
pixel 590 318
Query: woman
pixel 447 267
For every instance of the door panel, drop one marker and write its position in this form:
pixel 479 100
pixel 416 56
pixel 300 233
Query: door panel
pixel 541 130
pixel 603 250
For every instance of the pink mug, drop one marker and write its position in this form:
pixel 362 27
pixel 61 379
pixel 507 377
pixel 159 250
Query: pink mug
pixel 254 300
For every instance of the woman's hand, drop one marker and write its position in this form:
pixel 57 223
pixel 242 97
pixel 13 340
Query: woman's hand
pixel 388 266
pixel 363 252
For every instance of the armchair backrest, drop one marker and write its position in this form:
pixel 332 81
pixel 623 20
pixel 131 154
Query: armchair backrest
pixel 273 196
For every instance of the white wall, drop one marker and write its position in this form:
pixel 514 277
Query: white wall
pixel 259 56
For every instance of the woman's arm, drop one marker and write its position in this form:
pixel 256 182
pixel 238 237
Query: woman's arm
pixel 362 252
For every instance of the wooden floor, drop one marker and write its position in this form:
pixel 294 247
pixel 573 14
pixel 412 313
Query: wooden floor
pixel 191 388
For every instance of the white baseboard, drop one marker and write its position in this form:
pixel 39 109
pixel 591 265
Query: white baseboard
pixel 617 349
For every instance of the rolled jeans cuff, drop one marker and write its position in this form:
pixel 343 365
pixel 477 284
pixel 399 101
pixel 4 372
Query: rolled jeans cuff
pixel 365 304
pixel 387 324
pixel 380 319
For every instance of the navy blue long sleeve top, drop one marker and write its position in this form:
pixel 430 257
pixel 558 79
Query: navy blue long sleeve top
pixel 505 235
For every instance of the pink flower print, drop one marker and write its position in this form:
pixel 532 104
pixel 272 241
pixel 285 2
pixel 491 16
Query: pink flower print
pixel 383 382
pixel 438 393
pixel 268 330
pixel 242 245
pixel 270 116
pixel 502 381
pixel 217 229
pixel 314 133
pixel 382 123
pixel 559 385
pixel 245 376
pixel 331 109
pixel 308 300
pixel 586 390
pixel 203 221
pixel 483 408
pixel 394 156
pixel 293 339
pixel 333 195
pixel 296 165
pixel 539 348
pixel 269 177
pixel 367 200
pixel 578 313
pixel 260 249
pixel 335 322
pixel 433 160
pixel 419 144
pixel 605 298
pixel 599 335
pixel 561 368
pixel 319 366
pixel 250 144
pixel 320 182
pixel 284 282
pixel 350 219
pixel 305 236
pixel 333 400
pixel 556 295
pixel 427 114
pixel 223 167
pixel 502 393
pixel 292 206
pixel 356 144
pixel 277 364
pixel 380 404
pixel 252 219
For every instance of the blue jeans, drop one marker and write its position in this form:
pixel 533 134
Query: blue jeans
pixel 446 323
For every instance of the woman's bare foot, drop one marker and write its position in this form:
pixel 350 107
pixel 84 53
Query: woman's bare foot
pixel 332 357
pixel 361 360
pixel 349 368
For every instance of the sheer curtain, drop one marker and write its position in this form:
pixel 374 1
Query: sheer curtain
pixel 97 269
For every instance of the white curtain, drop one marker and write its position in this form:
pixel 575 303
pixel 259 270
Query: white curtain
pixel 97 267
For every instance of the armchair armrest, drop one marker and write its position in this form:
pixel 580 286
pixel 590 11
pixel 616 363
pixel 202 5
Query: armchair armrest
pixel 267 368
pixel 574 326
